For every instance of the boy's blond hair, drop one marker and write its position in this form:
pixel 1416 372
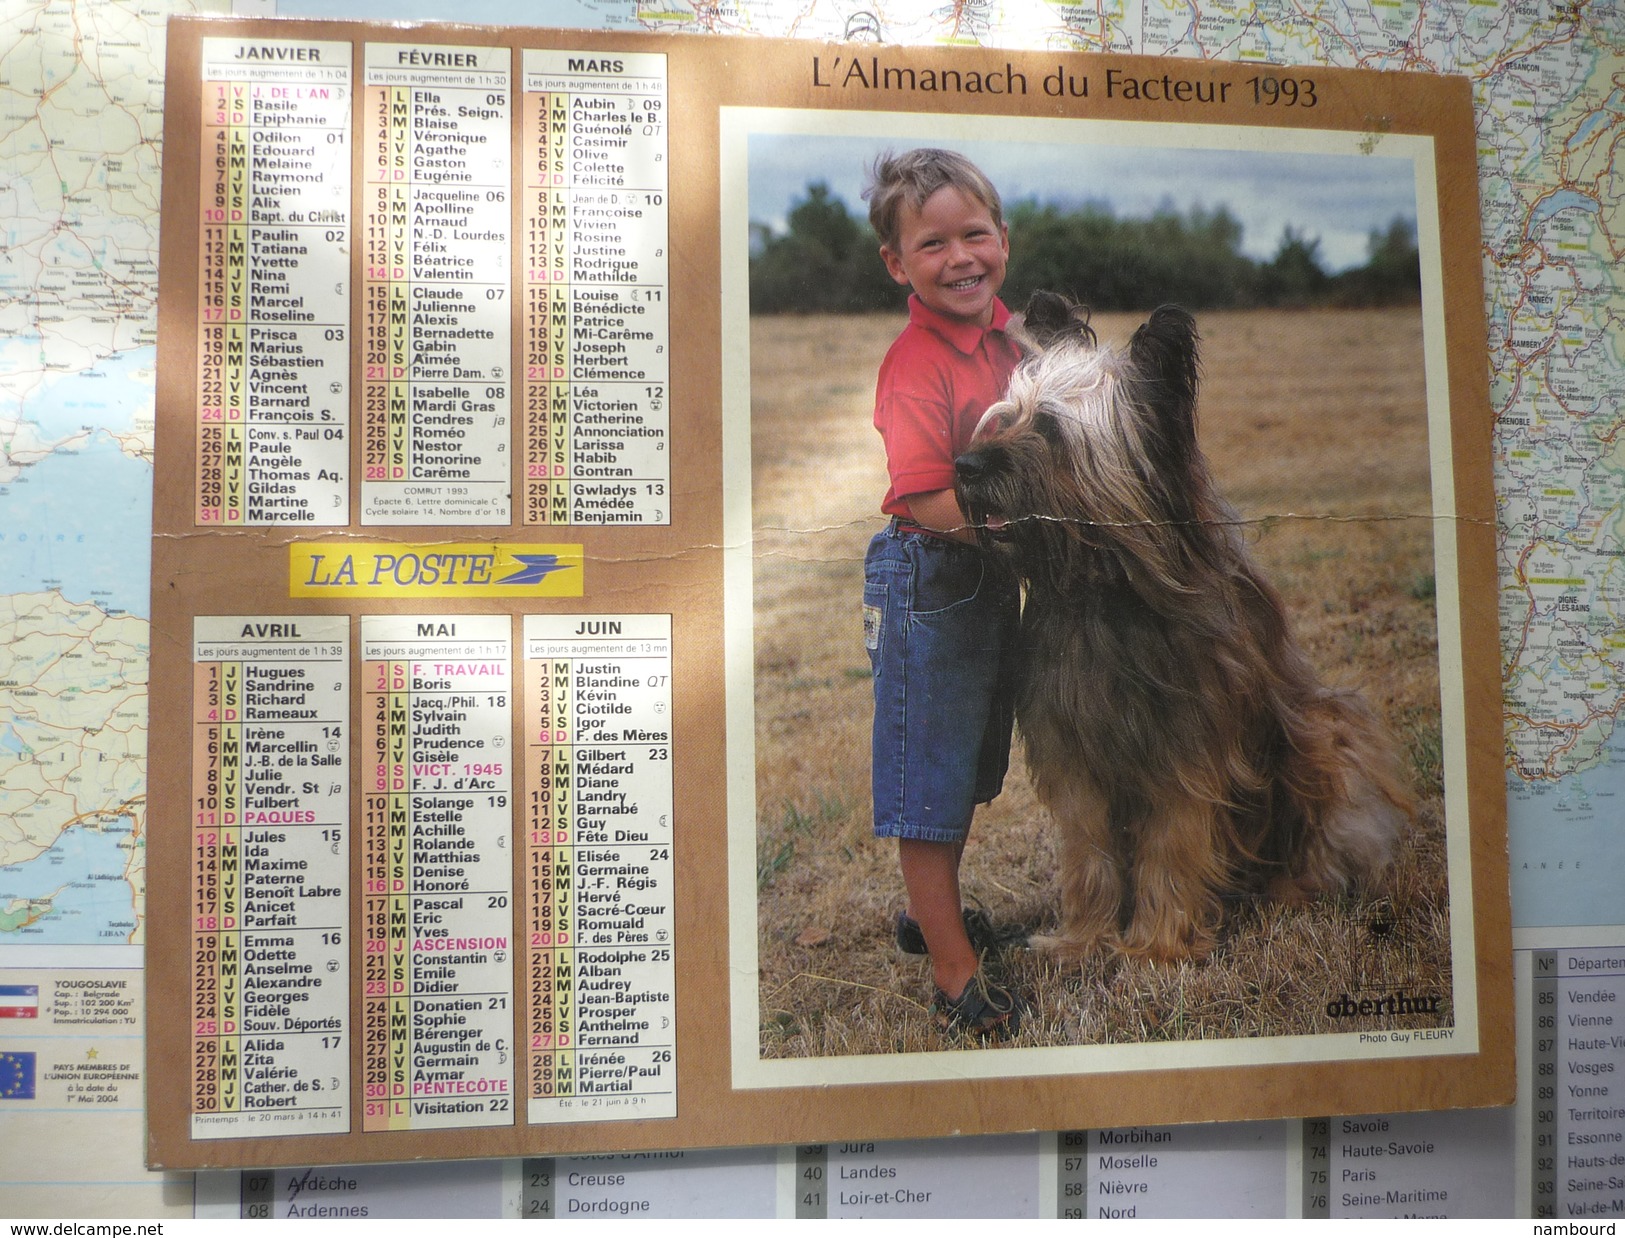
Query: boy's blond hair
pixel 914 176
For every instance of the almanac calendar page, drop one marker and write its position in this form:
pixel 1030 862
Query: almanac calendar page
pixel 490 683
pixel 433 312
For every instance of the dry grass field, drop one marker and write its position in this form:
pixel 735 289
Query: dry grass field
pixel 1314 423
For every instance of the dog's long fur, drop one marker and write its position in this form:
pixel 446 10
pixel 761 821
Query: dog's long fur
pixel 1175 730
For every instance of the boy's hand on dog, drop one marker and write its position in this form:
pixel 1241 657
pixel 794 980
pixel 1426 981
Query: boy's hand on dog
pixel 939 511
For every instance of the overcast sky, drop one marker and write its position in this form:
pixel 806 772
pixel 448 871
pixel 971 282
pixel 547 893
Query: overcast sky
pixel 1341 199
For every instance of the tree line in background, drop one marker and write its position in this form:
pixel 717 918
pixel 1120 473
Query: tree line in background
pixel 827 261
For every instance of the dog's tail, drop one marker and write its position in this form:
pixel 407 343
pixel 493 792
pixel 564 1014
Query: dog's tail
pixel 1351 801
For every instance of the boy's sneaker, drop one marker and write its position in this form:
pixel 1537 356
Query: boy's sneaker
pixel 980 930
pixel 985 1010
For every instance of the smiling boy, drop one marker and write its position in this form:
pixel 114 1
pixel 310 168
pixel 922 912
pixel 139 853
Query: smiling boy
pixel 940 618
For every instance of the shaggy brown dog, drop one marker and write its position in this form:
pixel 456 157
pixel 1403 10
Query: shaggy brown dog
pixel 1174 728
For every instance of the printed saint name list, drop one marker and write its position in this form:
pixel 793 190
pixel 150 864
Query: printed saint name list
pixel 437 971
pixel 273 377
pixel 600 998
pixel 596 356
pixel 436 315
pixel 270 876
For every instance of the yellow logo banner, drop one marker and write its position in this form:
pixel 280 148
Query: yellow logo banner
pixel 440 570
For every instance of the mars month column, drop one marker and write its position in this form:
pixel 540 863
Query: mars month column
pixel 273 383
pixel 436 314
pixel 598 868
pixel 270 876
pixel 437 871
pixel 596 359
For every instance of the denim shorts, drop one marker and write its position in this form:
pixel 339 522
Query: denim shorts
pixel 940 621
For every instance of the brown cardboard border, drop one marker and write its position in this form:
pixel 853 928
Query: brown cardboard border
pixel 677 570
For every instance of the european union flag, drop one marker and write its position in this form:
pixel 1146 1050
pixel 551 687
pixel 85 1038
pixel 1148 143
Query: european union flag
pixel 16 1076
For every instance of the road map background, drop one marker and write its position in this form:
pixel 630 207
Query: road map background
pixel 80 145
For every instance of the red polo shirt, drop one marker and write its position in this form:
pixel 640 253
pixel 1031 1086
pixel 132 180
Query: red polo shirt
pixel 937 380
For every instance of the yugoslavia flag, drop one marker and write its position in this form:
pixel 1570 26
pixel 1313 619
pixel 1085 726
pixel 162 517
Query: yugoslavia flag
pixel 19 1001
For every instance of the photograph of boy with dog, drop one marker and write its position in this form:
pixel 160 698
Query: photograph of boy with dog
pixel 1199 464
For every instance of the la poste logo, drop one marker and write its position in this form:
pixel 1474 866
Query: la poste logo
pixel 442 570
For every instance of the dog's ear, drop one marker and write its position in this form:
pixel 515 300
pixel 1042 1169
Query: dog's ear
pixel 1052 319
pixel 1164 352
